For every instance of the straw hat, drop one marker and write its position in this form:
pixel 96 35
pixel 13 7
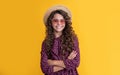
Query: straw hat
pixel 53 8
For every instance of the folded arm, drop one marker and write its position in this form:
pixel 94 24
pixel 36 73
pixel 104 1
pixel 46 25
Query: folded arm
pixel 71 62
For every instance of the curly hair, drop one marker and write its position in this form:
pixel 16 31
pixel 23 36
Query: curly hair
pixel 67 37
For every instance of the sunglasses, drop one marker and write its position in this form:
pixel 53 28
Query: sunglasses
pixel 55 21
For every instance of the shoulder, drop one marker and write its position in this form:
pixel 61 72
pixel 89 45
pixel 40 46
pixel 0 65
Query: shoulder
pixel 43 48
pixel 75 38
pixel 43 43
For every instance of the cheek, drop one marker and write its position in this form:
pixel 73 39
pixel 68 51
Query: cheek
pixel 64 25
pixel 53 25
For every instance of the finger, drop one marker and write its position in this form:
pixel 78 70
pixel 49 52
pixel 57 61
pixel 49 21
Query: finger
pixel 74 55
pixel 75 52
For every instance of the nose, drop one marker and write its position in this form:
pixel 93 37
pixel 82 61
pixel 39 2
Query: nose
pixel 58 22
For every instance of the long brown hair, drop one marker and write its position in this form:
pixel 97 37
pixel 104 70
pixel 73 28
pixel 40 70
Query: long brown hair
pixel 67 37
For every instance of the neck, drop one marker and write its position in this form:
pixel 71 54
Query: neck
pixel 57 34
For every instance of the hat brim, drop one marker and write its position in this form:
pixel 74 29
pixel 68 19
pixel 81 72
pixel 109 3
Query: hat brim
pixel 53 8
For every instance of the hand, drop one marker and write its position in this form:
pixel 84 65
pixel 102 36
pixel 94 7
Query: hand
pixel 50 62
pixel 72 55
pixel 58 63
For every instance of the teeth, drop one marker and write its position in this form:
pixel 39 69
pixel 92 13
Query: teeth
pixel 59 27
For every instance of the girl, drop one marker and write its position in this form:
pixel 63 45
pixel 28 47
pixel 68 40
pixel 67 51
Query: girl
pixel 60 49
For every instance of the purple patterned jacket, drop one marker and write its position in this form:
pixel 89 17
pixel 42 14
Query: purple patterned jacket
pixel 71 64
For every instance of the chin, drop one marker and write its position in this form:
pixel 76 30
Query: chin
pixel 60 30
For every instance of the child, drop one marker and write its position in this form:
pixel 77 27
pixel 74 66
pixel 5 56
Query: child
pixel 60 53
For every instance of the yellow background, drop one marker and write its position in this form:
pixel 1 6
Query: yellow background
pixel 96 22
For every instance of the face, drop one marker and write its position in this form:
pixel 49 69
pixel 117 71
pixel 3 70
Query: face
pixel 58 23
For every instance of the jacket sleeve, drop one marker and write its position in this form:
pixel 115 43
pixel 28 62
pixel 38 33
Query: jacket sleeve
pixel 73 63
pixel 47 69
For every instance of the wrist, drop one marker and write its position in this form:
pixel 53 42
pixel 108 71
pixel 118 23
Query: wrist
pixel 54 62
